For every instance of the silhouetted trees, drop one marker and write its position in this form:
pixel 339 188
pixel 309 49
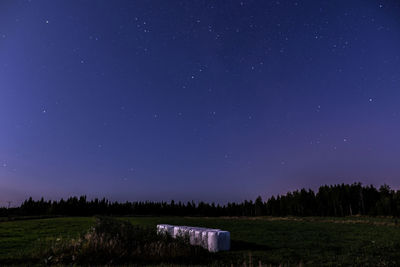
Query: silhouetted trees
pixel 337 200
pixel 334 200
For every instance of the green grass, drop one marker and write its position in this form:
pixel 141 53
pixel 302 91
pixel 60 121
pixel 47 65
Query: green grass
pixel 318 241
pixel 18 238
pixel 311 241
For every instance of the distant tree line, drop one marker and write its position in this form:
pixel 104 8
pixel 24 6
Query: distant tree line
pixel 336 200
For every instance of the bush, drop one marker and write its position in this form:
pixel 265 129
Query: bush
pixel 113 241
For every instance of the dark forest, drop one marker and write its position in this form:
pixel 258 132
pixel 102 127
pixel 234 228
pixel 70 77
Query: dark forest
pixel 335 200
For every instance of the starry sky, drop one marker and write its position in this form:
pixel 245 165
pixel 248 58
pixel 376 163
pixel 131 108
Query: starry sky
pixel 197 100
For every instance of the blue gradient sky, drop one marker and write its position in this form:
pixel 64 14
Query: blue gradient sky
pixel 197 100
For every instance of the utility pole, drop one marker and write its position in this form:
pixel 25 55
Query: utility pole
pixel 9 204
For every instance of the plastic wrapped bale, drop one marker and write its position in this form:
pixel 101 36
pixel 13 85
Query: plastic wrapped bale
pixel 163 228
pixel 192 237
pixel 166 229
pixel 224 240
pixel 198 237
pixel 160 228
pixel 212 241
pixel 204 239
pixel 185 231
pixel 177 231
pixel 181 231
pixel 170 229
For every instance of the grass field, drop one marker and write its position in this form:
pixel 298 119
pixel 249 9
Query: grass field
pixel 293 241
pixel 18 238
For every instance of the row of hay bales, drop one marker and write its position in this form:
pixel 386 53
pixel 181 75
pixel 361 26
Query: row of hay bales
pixel 212 239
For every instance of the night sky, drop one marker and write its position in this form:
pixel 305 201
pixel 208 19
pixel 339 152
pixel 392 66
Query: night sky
pixel 197 100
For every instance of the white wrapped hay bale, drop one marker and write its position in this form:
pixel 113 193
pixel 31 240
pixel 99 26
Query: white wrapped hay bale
pixel 204 239
pixel 160 228
pixel 198 237
pixel 212 239
pixel 224 240
pixel 218 240
pixel 165 229
pixel 185 231
pixel 170 229
pixel 192 237
pixel 177 232
pixel 181 231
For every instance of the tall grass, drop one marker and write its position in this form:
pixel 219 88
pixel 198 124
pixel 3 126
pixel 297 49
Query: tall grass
pixel 113 241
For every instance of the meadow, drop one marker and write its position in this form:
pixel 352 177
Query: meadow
pixel 289 241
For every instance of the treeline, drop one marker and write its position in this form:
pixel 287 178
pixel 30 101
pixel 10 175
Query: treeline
pixel 336 200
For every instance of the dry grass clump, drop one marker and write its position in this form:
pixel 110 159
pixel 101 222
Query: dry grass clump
pixel 113 241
